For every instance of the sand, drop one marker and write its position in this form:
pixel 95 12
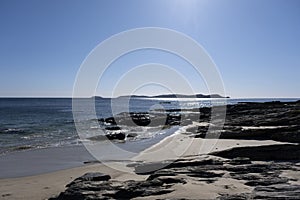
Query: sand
pixel 50 184
pixel 182 145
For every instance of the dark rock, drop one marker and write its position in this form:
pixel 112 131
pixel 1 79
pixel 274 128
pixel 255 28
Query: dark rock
pixel 277 192
pixel 161 173
pixel 240 161
pixel 92 162
pixel 116 136
pixel 252 168
pixel 111 136
pixel 111 121
pixel 267 181
pixel 246 176
pixel 101 120
pixel 170 180
pixel 95 176
pixel 112 128
pixel 141 121
pixel 278 152
pixel 148 168
pixel 200 173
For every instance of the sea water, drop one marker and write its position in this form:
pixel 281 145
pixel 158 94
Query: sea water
pixel 30 123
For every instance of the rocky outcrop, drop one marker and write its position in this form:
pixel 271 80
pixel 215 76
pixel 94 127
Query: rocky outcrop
pixel 253 121
pixel 104 189
pixel 280 152
pixel 265 179
pixel 271 192
pixel 256 121
pixel 143 119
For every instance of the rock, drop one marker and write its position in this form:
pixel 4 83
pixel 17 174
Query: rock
pixel 141 121
pixel 112 128
pixel 93 176
pixel 266 181
pixel 149 168
pixel 171 180
pixel 111 121
pixel 92 162
pixel 111 136
pixel 116 136
pixel 278 191
pixel 85 189
pixel 252 168
pixel 278 152
pixel 264 177
pixel 101 120
pixel 240 161
pixel 204 174
pixel 145 119
pixel 245 176
pixel 161 173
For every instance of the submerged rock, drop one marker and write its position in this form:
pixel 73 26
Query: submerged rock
pixel 111 136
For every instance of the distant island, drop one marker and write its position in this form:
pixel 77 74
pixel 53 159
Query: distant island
pixel 171 96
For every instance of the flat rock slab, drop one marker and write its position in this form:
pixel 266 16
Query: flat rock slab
pixel 93 176
pixel 279 152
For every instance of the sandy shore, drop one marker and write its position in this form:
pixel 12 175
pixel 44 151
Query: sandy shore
pixel 50 184
pixel 47 185
pixel 182 145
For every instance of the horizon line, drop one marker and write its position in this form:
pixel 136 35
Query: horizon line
pixel 70 97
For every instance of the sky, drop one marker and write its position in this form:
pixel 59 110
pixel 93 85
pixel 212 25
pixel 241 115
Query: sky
pixel 255 44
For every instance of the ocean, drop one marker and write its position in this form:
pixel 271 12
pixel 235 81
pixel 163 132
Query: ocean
pixel 32 123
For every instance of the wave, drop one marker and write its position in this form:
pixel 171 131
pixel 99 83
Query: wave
pixel 12 131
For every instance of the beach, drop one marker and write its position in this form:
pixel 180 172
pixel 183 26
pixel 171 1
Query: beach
pixel 256 155
pixel 48 185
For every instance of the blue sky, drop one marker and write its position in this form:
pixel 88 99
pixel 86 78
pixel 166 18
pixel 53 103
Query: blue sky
pixel 255 44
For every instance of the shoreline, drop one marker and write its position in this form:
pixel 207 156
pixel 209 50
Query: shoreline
pixel 46 160
pixel 181 145
pixel 47 185
pixel 187 156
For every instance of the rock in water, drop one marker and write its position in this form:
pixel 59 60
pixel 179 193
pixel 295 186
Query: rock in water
pixel 116 136
pixel 111 136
